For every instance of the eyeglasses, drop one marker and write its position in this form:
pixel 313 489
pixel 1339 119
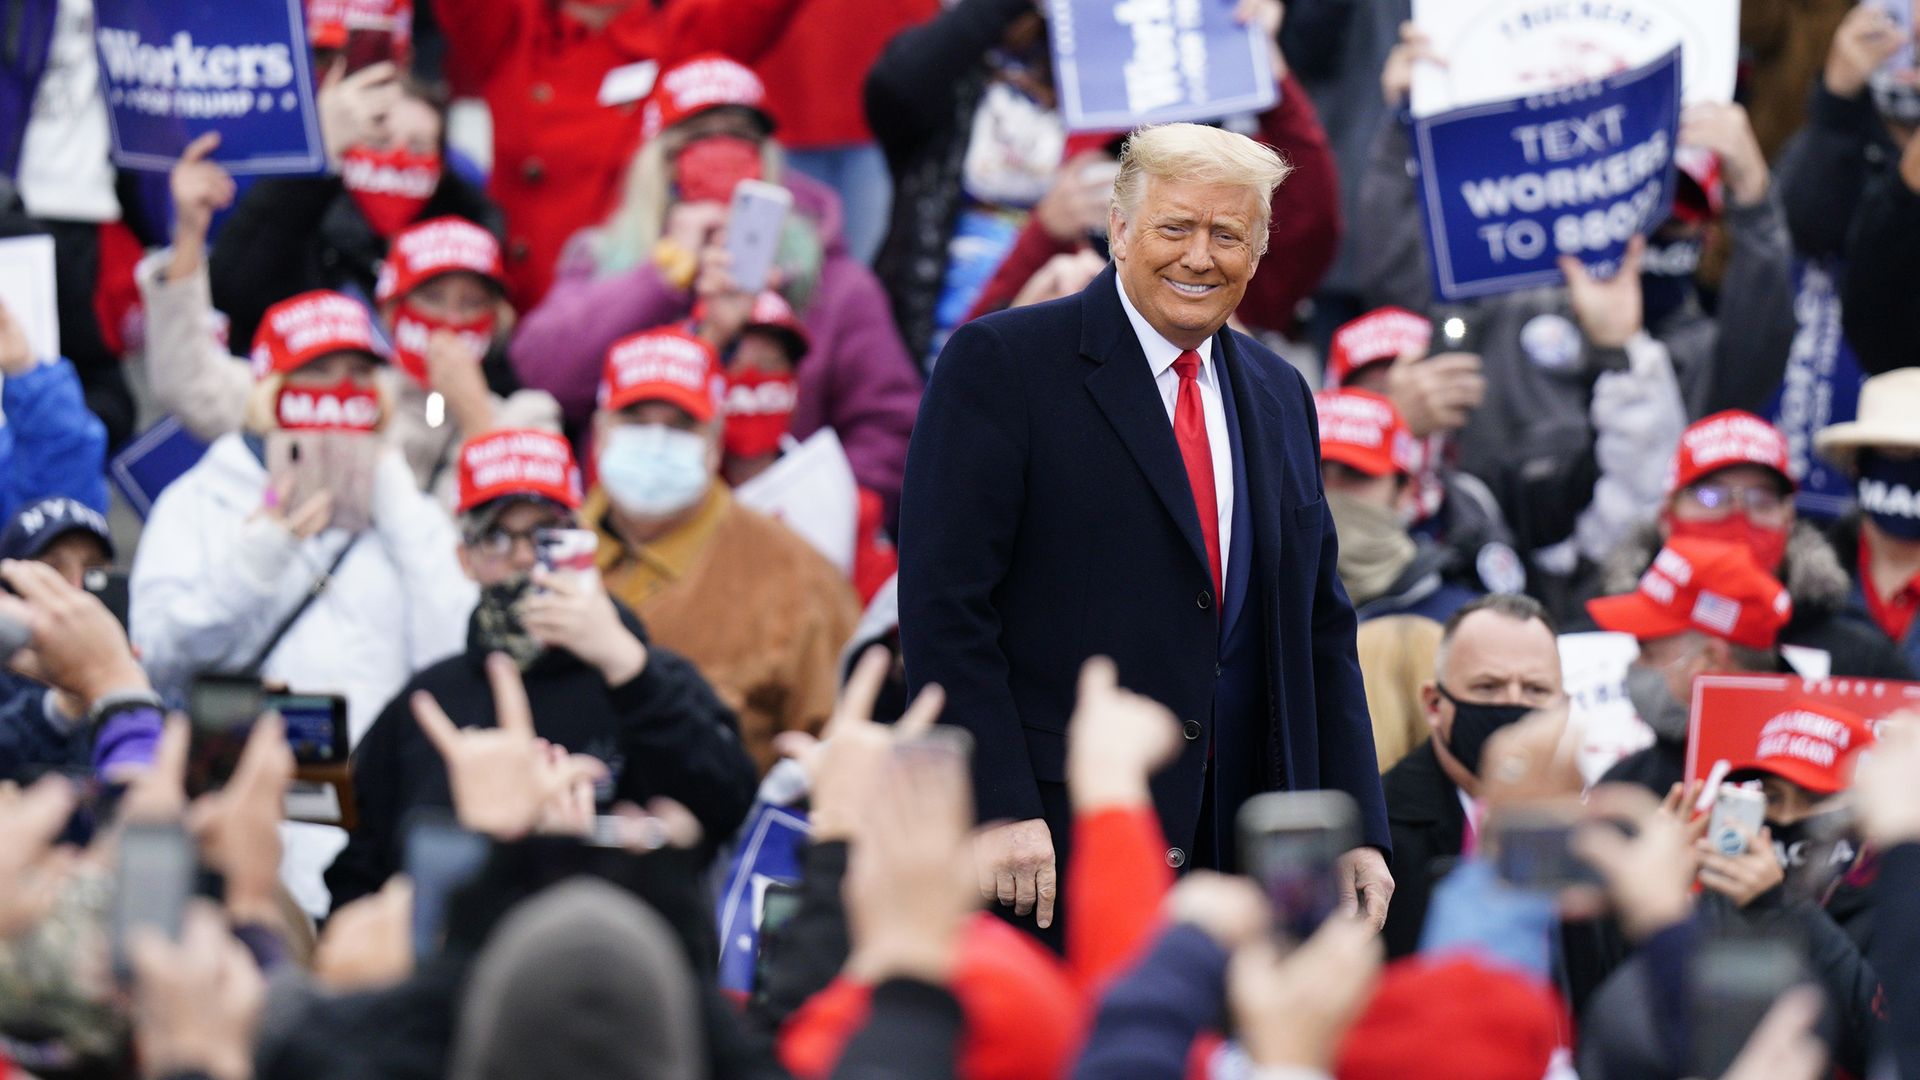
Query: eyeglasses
pixel 499 543
pixel 1718 500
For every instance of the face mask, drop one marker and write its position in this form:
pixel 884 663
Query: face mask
pixel 344 406
pixel 759 409
pixel 413 328
pixel 1769 546
pixel 1374 545
pixel 1889 492
pixel 1666 278
pixel 654 470
pixel 1818 845
pixel 1473 724
pixel 1647 690
pixel 497 626
pixel 390 187
pixel 709 169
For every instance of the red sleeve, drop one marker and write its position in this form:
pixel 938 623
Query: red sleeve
pixel 1305 233
pixel 1030 251
pixel 813 1038
pixel 478 33
pixel 743 29
pixel 1117 877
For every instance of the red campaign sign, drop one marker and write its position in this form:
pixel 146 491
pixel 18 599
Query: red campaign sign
pixel 1732 713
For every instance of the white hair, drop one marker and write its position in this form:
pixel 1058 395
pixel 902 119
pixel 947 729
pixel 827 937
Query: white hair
pixel 1198 154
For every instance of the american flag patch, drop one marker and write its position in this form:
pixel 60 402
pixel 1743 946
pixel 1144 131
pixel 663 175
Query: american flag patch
pixel 1715 612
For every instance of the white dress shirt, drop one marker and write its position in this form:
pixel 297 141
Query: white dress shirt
pixel 1161 354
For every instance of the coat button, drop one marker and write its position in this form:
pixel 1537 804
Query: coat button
pixel 1191 729
pixel 1176 858
pixel 533 170
pixel 1218 671
pixel 1203 601
pixel 542 92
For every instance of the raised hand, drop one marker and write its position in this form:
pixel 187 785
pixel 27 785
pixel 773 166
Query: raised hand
pixel 201 188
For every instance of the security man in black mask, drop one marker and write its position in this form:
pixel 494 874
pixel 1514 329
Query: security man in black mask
pixel 1499 659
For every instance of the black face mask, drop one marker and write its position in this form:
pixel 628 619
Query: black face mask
pixel 1474 722
pixel 1820 845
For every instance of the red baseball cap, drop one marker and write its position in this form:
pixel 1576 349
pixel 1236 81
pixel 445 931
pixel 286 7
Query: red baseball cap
pixel 1725 439
pixel 772 314
pixel 1362 430
pixel 515 462
pixel 663 365
pixel 1380 334
pixel 306 327
pixel 441 245
pixel 328 21
pixel 1705 585
pixel 1810 744
pixel 707 81
pixel 1493 1024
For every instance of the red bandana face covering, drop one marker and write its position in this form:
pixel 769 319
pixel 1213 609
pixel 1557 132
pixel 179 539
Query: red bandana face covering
pixel 759 409
pixel 708 170
pixel 344 406
pixel 390 187
pixel 1769 546
pixel 412 328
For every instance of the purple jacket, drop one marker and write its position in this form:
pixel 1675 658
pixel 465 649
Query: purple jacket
pixel 857 379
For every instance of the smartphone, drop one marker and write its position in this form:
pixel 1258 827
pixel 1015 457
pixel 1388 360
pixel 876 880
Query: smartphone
pixel 1534 850
pixel 441 859
pixel 14 636
pixel 153 881
pixel 566 550
pixel 778 904
pixel 341 463
pixel 1291 843
pixel 367 46
pixel 1455 330
pixel 1734 980
pixel 110 588
pixel 1733 806
pixel 223 708
pixel 754 219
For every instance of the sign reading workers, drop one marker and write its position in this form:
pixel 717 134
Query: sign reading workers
pixel 1508 187
pixel 171 71
pixel 1122 63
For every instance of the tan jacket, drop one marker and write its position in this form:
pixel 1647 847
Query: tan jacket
pixel 756 608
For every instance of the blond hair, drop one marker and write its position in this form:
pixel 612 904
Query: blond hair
pixel 1198 154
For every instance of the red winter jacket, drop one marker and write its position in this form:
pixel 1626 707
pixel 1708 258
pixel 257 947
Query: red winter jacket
pixel 558 154
pixel 815 71
pixel 1302 240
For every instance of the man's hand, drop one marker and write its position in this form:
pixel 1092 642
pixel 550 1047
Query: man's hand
pixel 1741 878
pixel 238 827
pixel 502 776
pixel 1076 205
pixel 1785 1046
pixel 454 372
pixel 724 306
pixel 16 355
pixel 197 1003
pixel 1886 783
pixel 354 108
pixel 573 612
pixel 78 646
pixel 1116 741
pixel 1291 1010
pixel 1396 77
pixel 844 764
pixel 1867 38
pixel 368 943
pixel 200 188
pixel 1610 311
pixel 1437 393
pixel 1014 864
pixel 1229 909
pixel 1649 878
pixel 1061 275
pixel 32 869
pixel 1366 888
pixel 1725 130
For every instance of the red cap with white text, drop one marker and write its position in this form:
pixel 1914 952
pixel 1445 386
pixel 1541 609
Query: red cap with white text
pixel 663 365
pixel 1380 334
pixel 1705 585
pixel 709 81
pixel 518 463
pixel 304 328
pixel 1810 744
pixel 440 246
pixel 1362 430
pixel 1726 439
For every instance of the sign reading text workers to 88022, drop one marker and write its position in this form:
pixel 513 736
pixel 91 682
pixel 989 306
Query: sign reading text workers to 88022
pixel 172 70
pixel 1122 63
pixel 1507 188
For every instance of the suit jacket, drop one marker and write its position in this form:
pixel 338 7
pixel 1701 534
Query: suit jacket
pixel 1047 518
pixel 1429 828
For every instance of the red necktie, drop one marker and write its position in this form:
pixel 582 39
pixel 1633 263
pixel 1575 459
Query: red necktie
pixel 1190 431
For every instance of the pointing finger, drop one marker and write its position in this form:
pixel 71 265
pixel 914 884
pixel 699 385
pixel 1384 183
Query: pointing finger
pixel 433 720
pixel 510 707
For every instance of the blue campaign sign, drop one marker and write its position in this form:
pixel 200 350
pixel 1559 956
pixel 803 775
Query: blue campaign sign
pixel 1508 187
pixel 1122 63
pixel 1821 387
pixel 171 71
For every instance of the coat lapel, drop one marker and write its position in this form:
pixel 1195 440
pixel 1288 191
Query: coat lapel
pixel 1263 441
pixel 1123 388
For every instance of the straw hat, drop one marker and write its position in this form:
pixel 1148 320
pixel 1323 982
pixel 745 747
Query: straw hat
pixel 1889 415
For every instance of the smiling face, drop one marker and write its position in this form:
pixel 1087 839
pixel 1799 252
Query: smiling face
pixel 1185 255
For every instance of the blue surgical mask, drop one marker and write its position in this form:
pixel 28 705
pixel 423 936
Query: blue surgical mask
pixel 1889 492
pixel 654 470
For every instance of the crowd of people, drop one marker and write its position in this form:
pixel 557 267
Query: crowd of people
pixel 603 611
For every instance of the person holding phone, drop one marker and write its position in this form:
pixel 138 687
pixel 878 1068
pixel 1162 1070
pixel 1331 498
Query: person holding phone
pixel 665 248
pixel 596 682
pixel 41 725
